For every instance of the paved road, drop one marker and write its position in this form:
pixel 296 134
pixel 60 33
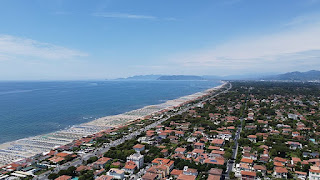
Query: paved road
pixel 78 161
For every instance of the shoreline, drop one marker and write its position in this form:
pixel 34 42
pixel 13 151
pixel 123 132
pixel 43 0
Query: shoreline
pixel 30 146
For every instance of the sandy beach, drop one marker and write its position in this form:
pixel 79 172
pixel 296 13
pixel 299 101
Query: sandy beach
pixel 28 147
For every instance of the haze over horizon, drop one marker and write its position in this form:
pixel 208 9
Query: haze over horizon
pixel 74 40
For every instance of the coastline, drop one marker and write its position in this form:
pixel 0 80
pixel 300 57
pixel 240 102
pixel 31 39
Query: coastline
pixel 31 146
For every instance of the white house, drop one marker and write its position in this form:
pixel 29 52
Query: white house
pixel 314 174
pixel 280 172
pixel 136 158
pixel 116 173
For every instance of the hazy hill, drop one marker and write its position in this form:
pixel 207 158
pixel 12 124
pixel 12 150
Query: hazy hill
pixel 296 76
pixel 141 77
pixel 180 77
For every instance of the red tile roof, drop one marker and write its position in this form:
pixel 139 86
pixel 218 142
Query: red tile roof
pixel 246 160
pixel 138 146
pixel 248 173
pixel 64 177
pixel 280 170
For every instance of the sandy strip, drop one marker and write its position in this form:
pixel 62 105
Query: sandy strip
pixel 31 146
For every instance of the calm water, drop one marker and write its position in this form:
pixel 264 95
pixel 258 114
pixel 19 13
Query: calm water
pixel 33 108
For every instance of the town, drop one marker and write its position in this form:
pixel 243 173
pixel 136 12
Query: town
pixel 245 130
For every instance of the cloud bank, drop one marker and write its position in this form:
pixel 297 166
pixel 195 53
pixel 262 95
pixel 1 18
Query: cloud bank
pixel 296 48
pixel 13 47
pixel 123 15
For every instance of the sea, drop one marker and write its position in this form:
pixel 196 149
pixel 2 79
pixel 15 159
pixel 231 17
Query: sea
pixel 34 108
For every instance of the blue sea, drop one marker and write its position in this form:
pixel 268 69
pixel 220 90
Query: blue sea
pixel 33 108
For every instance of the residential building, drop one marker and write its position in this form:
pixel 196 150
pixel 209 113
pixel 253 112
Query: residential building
pixel 137 158
pixel 116 173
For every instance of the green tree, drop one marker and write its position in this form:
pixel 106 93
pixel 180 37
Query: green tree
pixel 53 176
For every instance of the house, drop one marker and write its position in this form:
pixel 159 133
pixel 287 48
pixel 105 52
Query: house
pixel 295 160
pixel 163 135
pixel 264 159
pixel 198 145
pixel 180 150
pixel 82 168
pixel 139 147
pixel 214 174
pixel 213 177
pixel 163 161
pixel 161 170
pixel 100 163
pixel 150 176
pixel 300 175
pixel 98 172
pixel 250 156
pixel 137 158
pixel 64 177
pixel 179 133
pixel 104 177
pixel 295 134
pixel 314 174
pixel 243 167
pixel 280 172
pixel 165 152
pixel 286 131
pixel 248 175
pixel 218 142
pixel 186 177
pixel 215 171
pixel 294 145
pixel 280 160
pixel 312 155
pixel 130 167
pixel 215 160
pixel 196 152
pixel 216 153
pixel 116 173
pixel 247 161
pixel 175 173
pixel 189 171
pixel 224 135
pixel 260 168
pixel 252 138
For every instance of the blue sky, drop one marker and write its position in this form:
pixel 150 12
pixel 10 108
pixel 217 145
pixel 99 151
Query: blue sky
pixel 78 39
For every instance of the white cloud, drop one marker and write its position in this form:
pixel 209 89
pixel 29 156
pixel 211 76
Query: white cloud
pixel 305 19
pixel 131 16
pixel 296 48
pixel 123 15
pixel 13 47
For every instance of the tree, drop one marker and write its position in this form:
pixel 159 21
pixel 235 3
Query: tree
pixel 92 159
pixel 259 174
pixel 227 155
pixel 71 171
pixel 232 175
pixel 53 176
pixel 305 167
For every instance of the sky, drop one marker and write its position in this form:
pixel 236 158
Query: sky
pixel 103 39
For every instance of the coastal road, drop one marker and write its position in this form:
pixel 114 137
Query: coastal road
pixel 231 162
pixel 78 161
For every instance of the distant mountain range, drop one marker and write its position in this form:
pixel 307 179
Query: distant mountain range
pixel 181 77
pixel 312 75
pixel 141 77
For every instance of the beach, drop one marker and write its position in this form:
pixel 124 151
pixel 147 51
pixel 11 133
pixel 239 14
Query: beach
pixel 28 147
